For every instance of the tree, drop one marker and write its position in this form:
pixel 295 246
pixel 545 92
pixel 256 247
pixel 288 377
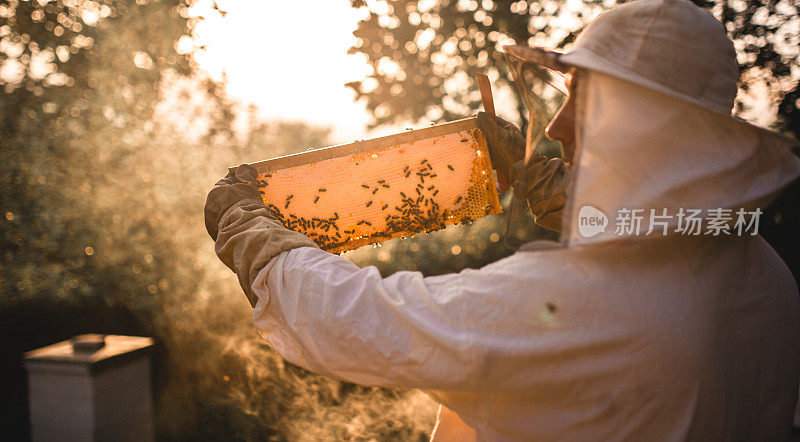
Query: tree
pixel 425 54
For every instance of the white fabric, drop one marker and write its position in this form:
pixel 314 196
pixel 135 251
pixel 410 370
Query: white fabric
pixel 667 154
pixel 668 339
pixel 663 338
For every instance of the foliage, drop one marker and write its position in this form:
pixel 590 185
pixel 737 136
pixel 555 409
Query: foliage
pixel 767 41
pixel 425 54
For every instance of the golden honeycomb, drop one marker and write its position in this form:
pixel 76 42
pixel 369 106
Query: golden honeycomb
pixel 344 197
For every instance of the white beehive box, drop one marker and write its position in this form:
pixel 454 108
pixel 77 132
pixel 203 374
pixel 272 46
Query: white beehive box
pixel 347 196
pixel 99 394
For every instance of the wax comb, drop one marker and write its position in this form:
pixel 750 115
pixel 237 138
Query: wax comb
pixel 347 196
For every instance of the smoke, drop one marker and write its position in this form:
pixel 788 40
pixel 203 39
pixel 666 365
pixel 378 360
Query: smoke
pixel 224 381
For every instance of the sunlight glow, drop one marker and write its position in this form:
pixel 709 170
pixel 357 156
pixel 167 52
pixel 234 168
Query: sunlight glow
pixel 288 58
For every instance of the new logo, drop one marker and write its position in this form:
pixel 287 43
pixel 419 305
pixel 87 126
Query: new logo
pixel 591 221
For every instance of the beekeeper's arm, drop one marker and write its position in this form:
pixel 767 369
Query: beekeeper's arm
pixel 322 312
pixel 246 237
pixel 542 182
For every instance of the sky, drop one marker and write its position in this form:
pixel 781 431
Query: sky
pixel 289 58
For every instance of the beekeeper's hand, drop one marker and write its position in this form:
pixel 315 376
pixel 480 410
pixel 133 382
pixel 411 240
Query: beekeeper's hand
pixel 241 185
pixel 543 182
pixel 505 141
pixel 247 236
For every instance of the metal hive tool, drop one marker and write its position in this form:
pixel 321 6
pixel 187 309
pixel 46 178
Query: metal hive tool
pixel 351 195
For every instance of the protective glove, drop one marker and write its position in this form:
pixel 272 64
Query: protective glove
pixel 542 183
pixel 506 143
pixel 246 235
pixel 237 186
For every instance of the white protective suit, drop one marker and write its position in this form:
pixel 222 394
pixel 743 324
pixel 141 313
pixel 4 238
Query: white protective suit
pixel 613 337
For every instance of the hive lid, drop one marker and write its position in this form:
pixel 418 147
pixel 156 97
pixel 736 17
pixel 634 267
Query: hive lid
pixel 117 349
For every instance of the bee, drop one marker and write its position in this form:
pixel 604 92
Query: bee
pixel 369 203
pixel 458 200
pixel 316 198
pixel 450 167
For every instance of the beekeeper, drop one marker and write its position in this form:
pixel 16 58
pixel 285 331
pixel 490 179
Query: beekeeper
pixel 613 333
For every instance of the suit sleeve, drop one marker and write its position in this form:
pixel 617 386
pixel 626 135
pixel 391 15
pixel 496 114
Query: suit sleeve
pixel 322 312
pixel 249 238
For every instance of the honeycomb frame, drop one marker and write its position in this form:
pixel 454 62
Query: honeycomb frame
pixel 371 209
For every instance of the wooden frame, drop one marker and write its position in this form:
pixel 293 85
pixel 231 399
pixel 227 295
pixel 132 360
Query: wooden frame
pixel 312 156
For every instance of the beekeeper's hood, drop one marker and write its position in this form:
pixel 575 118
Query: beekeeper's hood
pixel 656 82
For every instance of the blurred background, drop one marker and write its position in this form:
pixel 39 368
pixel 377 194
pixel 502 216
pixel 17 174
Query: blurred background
pixel 117 116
